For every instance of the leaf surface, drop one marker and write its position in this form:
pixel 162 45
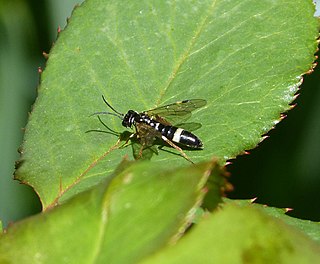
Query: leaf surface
pixel 239 234
pixel 310 228
pixel 123 220
pixel 246 58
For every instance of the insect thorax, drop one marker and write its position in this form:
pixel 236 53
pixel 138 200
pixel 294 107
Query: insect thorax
pixel 133 117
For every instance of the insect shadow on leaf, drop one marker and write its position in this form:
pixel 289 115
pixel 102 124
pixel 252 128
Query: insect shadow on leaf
pixel 123 136
pixel 155 124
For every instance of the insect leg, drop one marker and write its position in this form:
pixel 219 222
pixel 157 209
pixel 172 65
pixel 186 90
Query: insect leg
pixel 140 151
pixel 126 143
pixel 177 148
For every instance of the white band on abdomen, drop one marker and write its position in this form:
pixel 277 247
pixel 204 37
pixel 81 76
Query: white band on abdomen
pixel 177 134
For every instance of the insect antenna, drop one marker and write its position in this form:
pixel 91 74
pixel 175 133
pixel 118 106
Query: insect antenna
pixel 116 113
pixel 114 110
pixel 107 113
pixel 111 131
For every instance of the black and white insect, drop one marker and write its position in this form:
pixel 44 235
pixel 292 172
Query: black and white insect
pixel 158 123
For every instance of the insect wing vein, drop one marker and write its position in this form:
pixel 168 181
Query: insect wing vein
pixel 179 111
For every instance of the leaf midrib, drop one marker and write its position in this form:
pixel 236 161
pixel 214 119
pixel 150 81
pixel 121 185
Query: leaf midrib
pixel 185 55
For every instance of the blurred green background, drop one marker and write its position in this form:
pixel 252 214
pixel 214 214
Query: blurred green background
pixel 284 171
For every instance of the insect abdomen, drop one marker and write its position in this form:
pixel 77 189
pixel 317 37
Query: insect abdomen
pixel 175 134
pixel 185 137
pixel 181 136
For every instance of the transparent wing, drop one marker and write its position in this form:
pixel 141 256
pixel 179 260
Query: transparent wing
pixel 189 126
pixel 179 111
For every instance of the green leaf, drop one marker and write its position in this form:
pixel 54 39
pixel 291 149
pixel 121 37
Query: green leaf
pixel 309 228
pixel 142 209
pixel 239 234
pixel 246 58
